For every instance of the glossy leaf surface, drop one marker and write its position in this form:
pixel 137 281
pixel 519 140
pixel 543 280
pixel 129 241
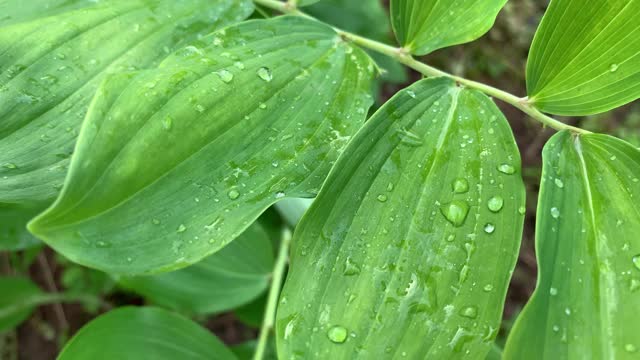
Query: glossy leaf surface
pixel 55 54
pixel 585 57
pixel 131 333
pixel 423 26
pixel 588 295
pixel 172 164
pixel 15 306
pixel 392 258
pixel 227 279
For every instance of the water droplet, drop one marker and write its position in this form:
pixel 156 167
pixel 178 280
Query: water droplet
pixel 337 334
pixel 495 204
pixel 265 74
pixel 10 166
pixel 225 75
pixel 102 244
pixel 470 312
pixel 155 221
pixel 350 268
pixel 553 291
pixel 382 198
pixel 630 348
pixel 567 311
pixel 522 210
pixel 489 228
pixel 239 65
pixel 460 186
pixel 167 123
pixel 280 195
pixel 411 93
pixel 233 194
pixel 182 228
pixel 636 261
pixel 559 183
pixel 634 285
pixel 555 212
pixel 130 259
pixel 488 288
pixel 506 169
pixel 455 212
pixel 262 106
pixel 613 67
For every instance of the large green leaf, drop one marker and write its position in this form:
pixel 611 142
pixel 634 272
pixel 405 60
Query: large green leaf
pixel 423 26
pixel 174 163
pixel 587 299
pixel 55 54
pixel 396 256
pixel 585 57
pixel 131 333
pixel 15 304
pixel 227 279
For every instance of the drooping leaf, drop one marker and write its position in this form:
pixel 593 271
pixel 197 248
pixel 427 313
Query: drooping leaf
pixel 423 26
pixel 227 279
pixel 131 333
pixel 174 163
pixel 15 306
pixel 55 54
pixel 586 302
pixel 392 258
pixel 585 57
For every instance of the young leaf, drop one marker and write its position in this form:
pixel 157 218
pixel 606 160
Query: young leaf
pixel 14 304
pixel 585 57
pixel 54 57
pixel 227 279
pixel 423 26
pixel 586 303
pixel 393 256
pixel 174 163
pixel 131 333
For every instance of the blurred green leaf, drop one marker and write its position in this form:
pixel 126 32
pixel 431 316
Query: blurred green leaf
pixel 246 350
pixel 131 333
pixel 586 302
pixel 392 258
pixel 585 57
pixel 15 301
pixel 13 227
pixel 252 313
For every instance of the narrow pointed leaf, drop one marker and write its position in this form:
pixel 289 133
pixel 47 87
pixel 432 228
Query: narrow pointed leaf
pixel 585 57
pixel 172 164
pixel 423 26
pixel 392 258
pixel 15 306
pixel 588 295
pixel 131 333
pixel 55 54
pixel 227 279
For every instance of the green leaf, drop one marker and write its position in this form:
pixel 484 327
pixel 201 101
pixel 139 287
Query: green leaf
pixel 585 57
pixel 587 299
pixel 423 26
pixel 304 2
pixel 13 231
pixel 131 333
pixel 387 260
pixel 55 54
pixel 174 163
pixel 15 306
pixel 227 279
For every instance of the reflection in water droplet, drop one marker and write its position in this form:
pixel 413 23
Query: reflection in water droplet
pixel 455 212
pixel 495 204
pixel 555 212
pixel 265 74
pixel 337 334
pixel 233 194
pixel 460 186
pixel 489 228
pixel 506 169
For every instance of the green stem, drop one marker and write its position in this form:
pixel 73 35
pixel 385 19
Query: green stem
pixel 403 56
pixel 274 292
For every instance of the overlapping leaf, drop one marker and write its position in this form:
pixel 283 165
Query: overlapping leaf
pixel 15 304
pixel 423 26
pixel 174 163
pixel 227 279
pixel 588 295
pixel 585 57
pixel 54 55
pixel 395 258
pixel 144 333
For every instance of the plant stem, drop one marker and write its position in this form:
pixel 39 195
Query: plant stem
pixel 274 292
pixel 403 56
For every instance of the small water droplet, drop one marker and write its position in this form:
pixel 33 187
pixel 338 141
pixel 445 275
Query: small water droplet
pixel 265 74
pixel 613 67
pixel 167 123
pixel 262 106
pixel 553 291
pixel 225 75
pixel 489 228
pixel 555 212
pixel 558 183
pixel 350 268
pixel 337 334
pixel 455 212
pixel 411 93
pixel 460 186
pixel 10 166
pixel 233 194
pixel 102 244
pixel 522 210
pixel 182 228
pixel 470 312
pixel 636 261
pixel 506 169
pixel 280 195
pixel 495 204
pixel 239 65
pixel 382 198
pixel 488 288
pixel 155 221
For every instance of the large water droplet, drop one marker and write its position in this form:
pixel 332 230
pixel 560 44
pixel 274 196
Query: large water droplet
pixel 555 212
pixel 506 169
pixel 233 194
pixel 495 204
pixel 455 212
pixel 460 186
pixel 265 74
pixel 337 334
pixel 225 75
